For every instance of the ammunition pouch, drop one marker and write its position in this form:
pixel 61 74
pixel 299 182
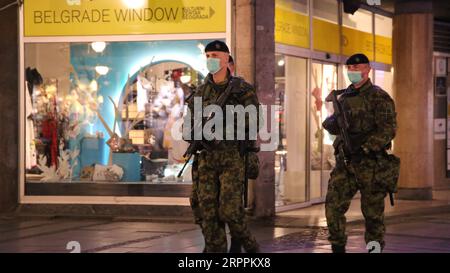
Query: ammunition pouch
pixel 387 171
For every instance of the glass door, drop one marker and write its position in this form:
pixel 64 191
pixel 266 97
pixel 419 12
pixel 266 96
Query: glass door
pixel 291 156
pixel 323 81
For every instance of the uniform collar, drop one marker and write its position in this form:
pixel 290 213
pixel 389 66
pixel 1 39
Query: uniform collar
pixel 366 86
pixel 227 79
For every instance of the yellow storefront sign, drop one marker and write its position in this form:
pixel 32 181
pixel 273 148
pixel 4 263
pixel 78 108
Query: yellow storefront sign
pixel 356 41
pixel 291 27
pixel 383 49
pixel 326 36
pixel 122 17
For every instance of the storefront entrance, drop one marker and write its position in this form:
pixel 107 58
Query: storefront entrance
pixel 305 157
pixel 323 81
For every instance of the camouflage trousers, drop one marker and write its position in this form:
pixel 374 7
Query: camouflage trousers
pixel 344 183
pixel 216 199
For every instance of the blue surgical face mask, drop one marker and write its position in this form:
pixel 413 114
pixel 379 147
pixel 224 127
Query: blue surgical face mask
pixel 354 76
pixel 213 65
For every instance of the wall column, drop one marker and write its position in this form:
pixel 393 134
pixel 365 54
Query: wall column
pixel 9 107
pixel 413 87
pixel 265 86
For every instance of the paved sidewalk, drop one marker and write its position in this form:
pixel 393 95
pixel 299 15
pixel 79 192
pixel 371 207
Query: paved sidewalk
pixel 412 226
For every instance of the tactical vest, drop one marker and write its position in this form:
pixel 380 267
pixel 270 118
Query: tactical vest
pixel 360 111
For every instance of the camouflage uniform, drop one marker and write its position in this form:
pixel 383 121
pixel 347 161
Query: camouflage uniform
pixel 218 177
pixel 372 119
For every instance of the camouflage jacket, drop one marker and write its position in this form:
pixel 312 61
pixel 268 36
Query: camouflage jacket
pixel 245 96
pixel 371 115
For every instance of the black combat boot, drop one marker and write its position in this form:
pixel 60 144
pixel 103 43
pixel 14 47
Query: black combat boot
pixel 236 246
pixel 338 249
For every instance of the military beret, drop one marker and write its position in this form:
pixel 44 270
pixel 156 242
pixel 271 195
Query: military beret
pixel 217 46
pixel 357 59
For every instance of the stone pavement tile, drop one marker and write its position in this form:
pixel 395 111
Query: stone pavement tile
pixel 151 226
pixel 6 226
pixel 304 250
pixel 268 233
pixel 173 243
pixel 31 249
pixel 120 250
pixel 56 227
pixel 432 230
pixel 403 250
pixel 284 221
pixel 111 244
pixel 412 244
pixel 148 243
pixel 50 252
pixel 103 227
pixel 87 240
pixel 193 249
pixel 328 247
pixel 350 249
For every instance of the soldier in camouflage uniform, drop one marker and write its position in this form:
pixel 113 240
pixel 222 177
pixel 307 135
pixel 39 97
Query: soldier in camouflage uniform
pixel 372 126
pixel 218 174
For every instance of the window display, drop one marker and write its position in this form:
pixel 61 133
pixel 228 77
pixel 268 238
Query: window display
pixel 103 112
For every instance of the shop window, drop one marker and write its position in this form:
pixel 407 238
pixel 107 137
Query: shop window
pixel 103 112
pixel 290 163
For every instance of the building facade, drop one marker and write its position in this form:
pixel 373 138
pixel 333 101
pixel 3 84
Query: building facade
pixel 102 86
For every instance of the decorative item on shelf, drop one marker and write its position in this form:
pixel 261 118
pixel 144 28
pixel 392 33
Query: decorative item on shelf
pixel 112 173
pixel 49 174
pixel 114 143
pixel 126 146
pixel 87 173
pixel 97 172
pixel 64 170
pixel 131 164
pixel 92 150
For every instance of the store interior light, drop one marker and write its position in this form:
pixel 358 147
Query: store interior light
pixel 185 79
pixel 102 70
pixel 281 62
pixel 134 4
pixel 98 46
pixel 201 47
pixel 94 85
